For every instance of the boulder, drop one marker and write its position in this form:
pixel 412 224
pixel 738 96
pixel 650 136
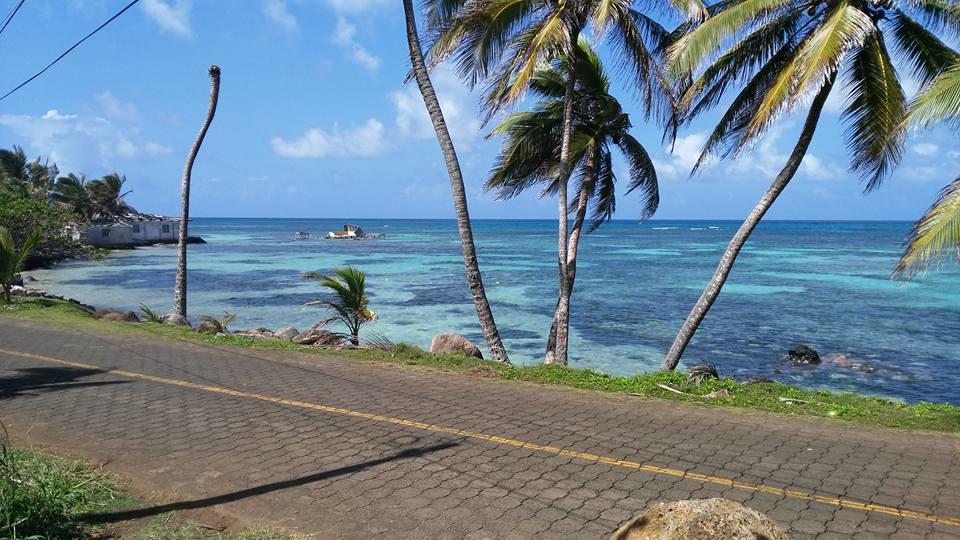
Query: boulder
pixel 175 320
pixel 18 280
pixel 254 333
pixel 317 337
pixel 704 519
pixel 114 315
pixel 207 327
pixel 287 333
pixel 449 342
pixel 801 354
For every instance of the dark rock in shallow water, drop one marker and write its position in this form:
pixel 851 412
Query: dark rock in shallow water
pixel 195 240
pixel 801 354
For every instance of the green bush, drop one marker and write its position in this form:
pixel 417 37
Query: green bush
pixel 41 495
pixel 23 216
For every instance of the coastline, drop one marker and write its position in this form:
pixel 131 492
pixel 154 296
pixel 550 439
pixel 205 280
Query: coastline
pixel 725 393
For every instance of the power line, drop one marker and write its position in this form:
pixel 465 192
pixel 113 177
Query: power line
pixel 66 52
pixel 10 16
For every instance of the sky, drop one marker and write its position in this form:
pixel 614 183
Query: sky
pixel 314 120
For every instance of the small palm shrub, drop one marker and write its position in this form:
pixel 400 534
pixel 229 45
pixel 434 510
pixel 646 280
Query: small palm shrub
pixel 698 374
pixel 348 299
pixel 12 259
pixel 150 315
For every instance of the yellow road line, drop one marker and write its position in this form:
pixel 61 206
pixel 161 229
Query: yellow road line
pixel 792 493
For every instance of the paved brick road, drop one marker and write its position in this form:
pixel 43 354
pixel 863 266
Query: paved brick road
pixel 342 449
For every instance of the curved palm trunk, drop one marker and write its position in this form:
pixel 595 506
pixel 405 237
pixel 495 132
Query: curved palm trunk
pixel 474 279
pixel 575 232
pixel 712 291
pixel 558 353
pixel 180 289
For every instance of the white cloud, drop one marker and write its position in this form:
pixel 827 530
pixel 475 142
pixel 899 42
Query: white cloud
pixel 276 11
pixel 355 6
pixel 413 121
pixel 173 17
pixel 361 141
pixel 78 142
pixel 814 167
pixel 116 109
pixel 343 35
pixel 680 160
pixel 925 148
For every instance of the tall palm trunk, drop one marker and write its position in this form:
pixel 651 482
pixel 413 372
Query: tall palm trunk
pixel 558 353
pixel 180 289
pixel 710 294
pixel 474 279
pixel 575 232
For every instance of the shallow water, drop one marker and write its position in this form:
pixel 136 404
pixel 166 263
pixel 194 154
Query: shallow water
pixel 822 284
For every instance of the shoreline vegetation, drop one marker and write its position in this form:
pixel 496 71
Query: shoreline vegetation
pixel 765 396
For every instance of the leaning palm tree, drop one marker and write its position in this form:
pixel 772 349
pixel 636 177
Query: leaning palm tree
pixel 529 157
pixel 71 191
pixel 936 235
pixel 106 196
pixel 24 178
pixel 180 287
pixel 780 52
pixel 474 279
pixel 504 42
pixel 12 258
pixel 349 302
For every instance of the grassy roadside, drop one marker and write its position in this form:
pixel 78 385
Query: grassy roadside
pixel 45 496
pixel 768 396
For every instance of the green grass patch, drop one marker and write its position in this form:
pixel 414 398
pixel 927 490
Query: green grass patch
pixel 772 397
pixel 44 496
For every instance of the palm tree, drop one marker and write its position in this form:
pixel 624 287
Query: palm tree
pixel 24 178
pixel 72 192
pixel 106 196
pixel 937 234
pixel 504 42
pixel 779 52
pixel 529 156
pixel 12 259
pixel 180 287
pixel 350 304
pixel 474 279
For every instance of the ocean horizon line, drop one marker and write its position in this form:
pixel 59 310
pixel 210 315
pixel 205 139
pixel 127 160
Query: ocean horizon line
pixel 664 220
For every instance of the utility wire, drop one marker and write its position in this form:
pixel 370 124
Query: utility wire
pixel 75 45
pixel 10 16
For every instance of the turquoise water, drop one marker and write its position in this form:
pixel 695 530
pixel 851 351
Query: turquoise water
pixel 822 284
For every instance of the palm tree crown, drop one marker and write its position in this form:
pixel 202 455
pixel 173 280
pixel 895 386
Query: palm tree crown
pixel 530 153
pixel 781 52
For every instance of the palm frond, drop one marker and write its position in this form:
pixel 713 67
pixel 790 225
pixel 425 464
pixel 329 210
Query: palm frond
pixel 875 134
pixel 921 49
pixel 939 101
pixel 643 175
pixel 935 237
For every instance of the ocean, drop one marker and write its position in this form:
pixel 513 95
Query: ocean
pixel 823 284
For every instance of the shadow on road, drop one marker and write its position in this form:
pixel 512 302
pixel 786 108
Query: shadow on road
pixel 31 381
pixel 125 515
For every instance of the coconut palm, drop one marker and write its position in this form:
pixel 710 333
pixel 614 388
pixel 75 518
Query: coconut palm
pixel 349 302
pixel 12 259
pixel 779 53
pixel 474 279
pixel 936 235
pixel 72 192
pixel 504 42
pixel 106 196
pixel 180 286
pixel 24 178
pixel 529 157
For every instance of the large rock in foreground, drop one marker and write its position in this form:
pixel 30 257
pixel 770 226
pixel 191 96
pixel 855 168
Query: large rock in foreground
pixel 704 519
pixel 114 315
pixel 175 320
pixel 287 333
pixel 450 342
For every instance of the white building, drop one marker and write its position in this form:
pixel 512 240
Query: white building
pixel 132 230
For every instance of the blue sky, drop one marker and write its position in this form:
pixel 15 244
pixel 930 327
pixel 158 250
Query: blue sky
pixel 314 120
